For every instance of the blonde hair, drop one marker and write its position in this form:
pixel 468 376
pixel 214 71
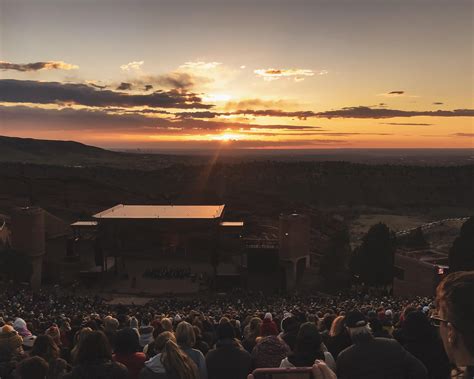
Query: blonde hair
pixel 185 335
pixel 177 363
pixel 337 326
pixel 167 324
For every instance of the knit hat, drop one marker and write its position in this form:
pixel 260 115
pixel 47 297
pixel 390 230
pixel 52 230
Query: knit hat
pixel 21 328
pixel 268 328
pixel 134 323
pixel 268 316
pixel 355 319
pixel 225 331
pixel 388 313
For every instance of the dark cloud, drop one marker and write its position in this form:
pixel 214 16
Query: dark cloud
pixel 148 87
pixel 378 113
pixel 175 80
pixel 97 86
pixel 396 92
pixel 124 87
pixel 438 103
pixel 463 134
pixel 131 121
pixel 406 123
pixel 301 115
pixel 28 91
pixel 36 66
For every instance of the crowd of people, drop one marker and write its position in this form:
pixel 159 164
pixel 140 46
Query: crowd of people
pixel 53 334
pixel 168 273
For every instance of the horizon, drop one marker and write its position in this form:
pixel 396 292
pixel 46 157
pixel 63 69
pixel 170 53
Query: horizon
pixel 279 75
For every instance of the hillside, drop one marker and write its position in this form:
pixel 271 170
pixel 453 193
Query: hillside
pixel 75 154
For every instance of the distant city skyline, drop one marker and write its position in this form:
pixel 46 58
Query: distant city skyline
pixel 239 74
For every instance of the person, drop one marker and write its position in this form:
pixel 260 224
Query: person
pixel 186 340
pixel 228 359
pixel 289 327
pixel 93 359
pixel 32 368
pixel 308 349
pixel 170 362
pixel 45 347
pixel 251 333
pixel 127 352
pixel 111 325
pixel 146 333
pixel 373 358
pixel 454 317
pixel 338 337
pixel 419 337
pixel 270 348
pixel 11 350
pixel 200 344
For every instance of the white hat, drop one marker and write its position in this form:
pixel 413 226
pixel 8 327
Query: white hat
pixel 268 316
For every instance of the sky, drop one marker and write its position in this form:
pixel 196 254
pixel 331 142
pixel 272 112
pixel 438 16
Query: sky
pixel 279 74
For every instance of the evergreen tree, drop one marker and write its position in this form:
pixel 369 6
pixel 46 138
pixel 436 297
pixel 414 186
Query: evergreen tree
pixel 334 263
pixel 461 255
pixel 372 261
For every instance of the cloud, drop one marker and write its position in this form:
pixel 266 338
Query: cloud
pixel 463 134
pixel 148 87
pixel 406 123
pixel 136 65
pixel 438 103
pixel 199 65
pixel 124 86
pixel 377 113
pixel 175 80
pixel 259 104
pixel 37 66
pixel 396 93
pixel 28 91
pixel 298 74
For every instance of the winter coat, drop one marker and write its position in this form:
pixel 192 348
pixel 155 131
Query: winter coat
pixel 154 369
pixel 199 360
pixel 228 360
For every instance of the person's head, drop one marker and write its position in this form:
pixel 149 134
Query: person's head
pixel 11 340
pixel 126 341
pixel 268 328
pixel 54 332
pixel 455 315
pixel 45 347
pixel 225 331
pixel 32 368
pixel 327 321
pixel 167 324
pixel 308 341
pixel 176 362
pixel 357 326
pixel 254 327
pixel 185 335
pixel 94 346
pixel 337 326
pixel 161 340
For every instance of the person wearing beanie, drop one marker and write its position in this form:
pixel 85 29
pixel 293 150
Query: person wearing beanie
pixel 372 357
pixel 228 359
pixel 11 350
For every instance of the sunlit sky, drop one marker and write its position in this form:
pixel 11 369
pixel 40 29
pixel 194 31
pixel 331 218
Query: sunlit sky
pixel 243 74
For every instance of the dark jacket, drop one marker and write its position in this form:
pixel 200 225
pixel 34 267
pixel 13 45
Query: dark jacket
pixel 99 370
pixel 336 344
pixel 377 358
pixel 228 360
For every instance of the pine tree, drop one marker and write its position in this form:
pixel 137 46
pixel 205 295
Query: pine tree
pixel 461 255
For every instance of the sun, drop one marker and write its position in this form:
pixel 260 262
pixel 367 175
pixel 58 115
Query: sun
pixel 226 137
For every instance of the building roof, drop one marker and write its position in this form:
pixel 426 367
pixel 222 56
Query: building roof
pixel 122 211
pixel 232 223
pixel 85 223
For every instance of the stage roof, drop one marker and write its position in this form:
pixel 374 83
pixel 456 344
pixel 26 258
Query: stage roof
pixel 122 211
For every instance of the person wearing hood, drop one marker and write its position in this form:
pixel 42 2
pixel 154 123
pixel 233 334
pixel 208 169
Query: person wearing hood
pixel 308 348
pixel 20 326
pixel 11 350
pixel 127 352
pixel 170 362
pixel 146 333
pixel 186 340
pixel 228 359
